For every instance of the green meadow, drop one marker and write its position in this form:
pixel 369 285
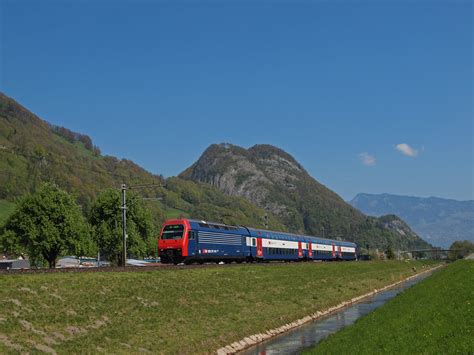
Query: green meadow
pixel 174 311
pixel 435 316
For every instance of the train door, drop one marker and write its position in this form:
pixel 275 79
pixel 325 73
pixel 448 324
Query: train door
pixel 310 251
pixel 333 251
pixel 300 250
pixel 193 243
pixel 340 252
pixel 259 248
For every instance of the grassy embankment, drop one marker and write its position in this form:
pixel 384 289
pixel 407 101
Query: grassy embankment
pixel 174 311
pixel 435 316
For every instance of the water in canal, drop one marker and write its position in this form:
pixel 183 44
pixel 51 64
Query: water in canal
pixel 308 335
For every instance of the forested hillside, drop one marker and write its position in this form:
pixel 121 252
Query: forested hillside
pixel 32 151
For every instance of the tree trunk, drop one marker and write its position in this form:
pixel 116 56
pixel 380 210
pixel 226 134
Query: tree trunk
pixel 50 258
pixel 119 260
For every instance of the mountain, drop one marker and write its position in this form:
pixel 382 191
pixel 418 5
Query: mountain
pixel 32 151
pixel 273 180
pixel 228 184
pixel 437 220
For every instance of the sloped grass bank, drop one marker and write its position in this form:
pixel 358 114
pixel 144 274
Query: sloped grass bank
pixel 174 311
pixel 435 316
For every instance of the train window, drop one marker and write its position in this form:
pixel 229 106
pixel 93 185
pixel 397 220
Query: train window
pixel 204 225
pixel 174 231
pixel 253 241
pixel 191 235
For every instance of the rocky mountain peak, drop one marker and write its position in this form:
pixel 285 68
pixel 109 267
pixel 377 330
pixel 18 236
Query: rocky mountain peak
pixel 229 167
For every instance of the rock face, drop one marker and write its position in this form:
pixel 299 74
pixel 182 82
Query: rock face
pixel 251 173
pixel 439 221
pixel 232 170
pixel 272 179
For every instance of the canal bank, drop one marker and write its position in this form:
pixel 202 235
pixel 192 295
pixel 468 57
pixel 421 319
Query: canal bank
pixel 273 338
pixel 191 311
pixel 435 316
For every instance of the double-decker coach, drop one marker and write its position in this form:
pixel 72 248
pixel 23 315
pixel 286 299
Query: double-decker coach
pixel 188 240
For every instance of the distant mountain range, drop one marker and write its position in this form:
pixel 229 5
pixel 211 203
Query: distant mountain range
pixel 437 220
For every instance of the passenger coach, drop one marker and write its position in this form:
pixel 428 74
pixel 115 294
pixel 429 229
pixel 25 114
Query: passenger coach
pixel 187 240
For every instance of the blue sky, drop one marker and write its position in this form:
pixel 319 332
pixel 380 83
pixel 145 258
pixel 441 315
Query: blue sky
pixel 338 85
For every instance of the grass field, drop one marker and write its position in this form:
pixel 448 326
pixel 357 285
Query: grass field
pixel 174 311
pixel 6 209
pixel 435 316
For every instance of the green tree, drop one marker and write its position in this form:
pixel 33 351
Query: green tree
pixel 390 253
pixel 105 218
pixel 46 224
pixel 459 249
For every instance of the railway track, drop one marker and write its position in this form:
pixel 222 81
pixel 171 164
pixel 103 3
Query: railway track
pixel 156 267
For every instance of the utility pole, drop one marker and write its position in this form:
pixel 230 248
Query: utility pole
pixel 124 215
pixel 266 220
pixel 124 226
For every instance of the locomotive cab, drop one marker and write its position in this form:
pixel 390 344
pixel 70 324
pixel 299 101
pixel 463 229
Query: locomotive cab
pixel 172 244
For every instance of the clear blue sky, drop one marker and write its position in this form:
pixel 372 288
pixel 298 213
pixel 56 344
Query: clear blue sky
pixel 338 85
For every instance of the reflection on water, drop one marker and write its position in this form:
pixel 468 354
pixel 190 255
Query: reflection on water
pixel 294 341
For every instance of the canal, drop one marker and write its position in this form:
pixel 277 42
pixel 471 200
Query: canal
pixel 308 335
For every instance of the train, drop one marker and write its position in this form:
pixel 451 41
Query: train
pixel 194 241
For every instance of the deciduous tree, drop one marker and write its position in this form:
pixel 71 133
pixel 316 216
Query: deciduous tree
pixel 106 220
pixel 45 225
pixel 459 249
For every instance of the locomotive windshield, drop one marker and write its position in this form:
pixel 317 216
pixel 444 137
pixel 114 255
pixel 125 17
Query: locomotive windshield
pixel 174 231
